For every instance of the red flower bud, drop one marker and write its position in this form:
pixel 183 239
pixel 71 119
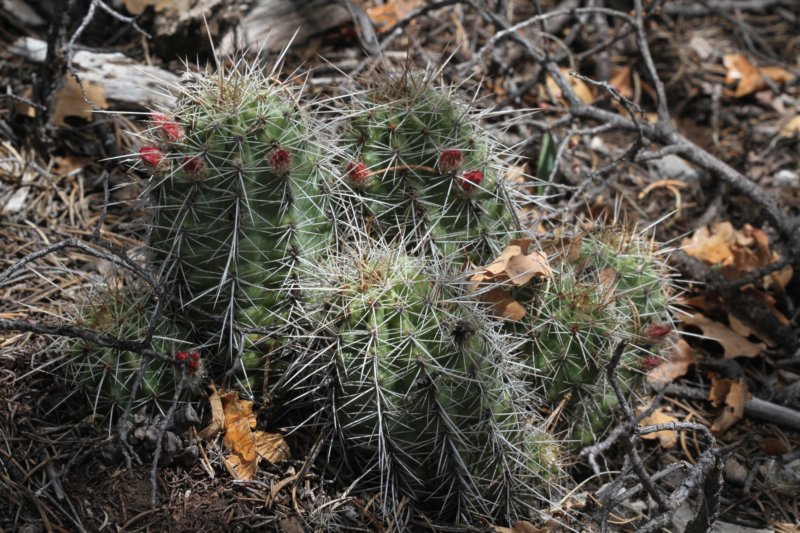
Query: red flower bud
pixel 194 165
pixel 280 161
pixel 151 156
pixel 650 362
pixel 168 129
pixel 450 160
pixel 358 173
pixel 657 331
pixel 471 179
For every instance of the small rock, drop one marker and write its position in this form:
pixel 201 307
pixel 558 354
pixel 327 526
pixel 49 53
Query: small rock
pixel 672 167
pixel 735 472
pixel 170 447
pixel 150 438
pixel 701 47
pixel 111 454
pixel 786 179
pixel 188 456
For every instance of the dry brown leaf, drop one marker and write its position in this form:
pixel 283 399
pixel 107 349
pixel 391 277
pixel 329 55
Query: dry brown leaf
pixel 217 423
pixel 712 245
pixel 621 81
pixel 246 446
pixel 791 128
pixel 239 438
pixel 733 344
pixel 392 11
pixel 751 79
pixel 739 251
pixel 582 91
pixel 516 266
pixel 732 395
pixel 70 102
pixel 63 165
pixel 271 446
pixel 668 438
pixel 504 305
pixel 681 357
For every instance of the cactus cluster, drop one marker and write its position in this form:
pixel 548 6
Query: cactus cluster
pixel 319 263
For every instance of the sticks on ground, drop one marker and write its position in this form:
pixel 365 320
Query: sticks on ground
pixel 703 479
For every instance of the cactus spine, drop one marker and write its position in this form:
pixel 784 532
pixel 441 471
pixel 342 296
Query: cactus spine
pixel 421 394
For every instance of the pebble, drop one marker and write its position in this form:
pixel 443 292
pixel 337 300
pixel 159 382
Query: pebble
pixel 786 179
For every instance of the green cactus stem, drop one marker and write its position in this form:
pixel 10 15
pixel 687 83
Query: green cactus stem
pixel 614 289
pixel 112 379
pixel 237 201
pixel 421 394
pixel 423 171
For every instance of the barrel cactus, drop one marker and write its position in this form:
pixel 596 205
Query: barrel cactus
pixel 420 391
pixel 112 379
pixel 238 199
pixel 610 287
pixel 423 170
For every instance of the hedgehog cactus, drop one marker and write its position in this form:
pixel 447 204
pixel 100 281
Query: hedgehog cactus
pixel 423 170
pixel 107 376
pixel 238 200
pixel 421 393
pixel 614 289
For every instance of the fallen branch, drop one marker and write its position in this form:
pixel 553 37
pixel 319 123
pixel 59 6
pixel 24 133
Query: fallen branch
pixel 127 84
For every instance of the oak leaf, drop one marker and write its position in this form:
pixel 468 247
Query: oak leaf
pixel 515 266
pixel 676 365
pixel 751 79
pixel 733 344
pixel 731 395
pixel 247 446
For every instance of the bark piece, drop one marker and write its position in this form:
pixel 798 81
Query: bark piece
pixel 128 85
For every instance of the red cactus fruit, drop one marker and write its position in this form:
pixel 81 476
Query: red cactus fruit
pixel 650 362
pixel 450 160
pixel 280 161
pixel 358 172
pixel 151 156
pixel 168 129
pixel 194 165
pixel 181 356
pixel 194 362
pixel 470 179
pixel 657 331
